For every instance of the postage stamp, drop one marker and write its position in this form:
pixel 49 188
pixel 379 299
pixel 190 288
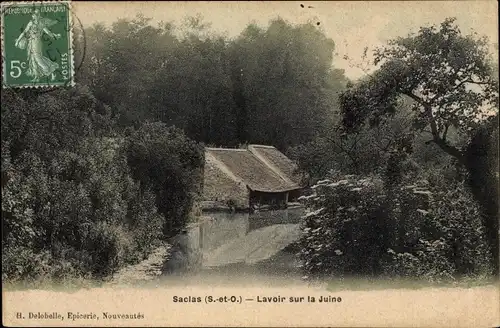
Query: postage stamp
pixel 37 45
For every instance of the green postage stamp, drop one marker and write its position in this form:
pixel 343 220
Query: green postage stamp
pixel 37 45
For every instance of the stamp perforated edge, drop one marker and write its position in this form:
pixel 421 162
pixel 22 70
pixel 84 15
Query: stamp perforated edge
pixel 71 45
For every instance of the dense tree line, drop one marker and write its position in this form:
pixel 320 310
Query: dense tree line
pixel 271 86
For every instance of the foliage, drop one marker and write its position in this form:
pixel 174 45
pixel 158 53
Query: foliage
pixel 452 238
pixel 481 158
pixel 284 87
pixel 363 152
pixel 272 86
pixel 89 184
pixel 164 161
pixel 340 230
pixel 361 226
pixel 446 74
pixel 450 79
pixel 69 205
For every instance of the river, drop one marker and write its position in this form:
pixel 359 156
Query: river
pixel 239 248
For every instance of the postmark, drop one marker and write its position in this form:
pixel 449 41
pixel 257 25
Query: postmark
pixel 37 45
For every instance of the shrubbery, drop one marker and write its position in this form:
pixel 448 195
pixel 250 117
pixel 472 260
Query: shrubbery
pixel 71 204
pixel 166 162
pixel 82 211
pixel 358 226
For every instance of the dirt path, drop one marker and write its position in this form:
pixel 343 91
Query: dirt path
pixel 146 270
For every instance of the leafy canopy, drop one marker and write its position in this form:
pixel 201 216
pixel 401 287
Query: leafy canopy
pixel 447 75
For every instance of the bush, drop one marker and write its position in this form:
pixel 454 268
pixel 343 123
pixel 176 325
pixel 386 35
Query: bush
pixel 169 164
pixel 450 238
pixel 345 230
pixel 357 226
pixel 70 207
pixel 82 209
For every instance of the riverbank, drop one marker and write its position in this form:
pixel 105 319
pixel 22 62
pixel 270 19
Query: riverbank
pixel 146 270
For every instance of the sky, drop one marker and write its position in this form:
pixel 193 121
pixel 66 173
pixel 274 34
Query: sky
pixel 353 25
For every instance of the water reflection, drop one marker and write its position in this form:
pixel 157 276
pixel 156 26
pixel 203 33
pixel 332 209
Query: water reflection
pixel 244 247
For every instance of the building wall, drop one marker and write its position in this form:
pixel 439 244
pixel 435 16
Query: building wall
pixel 293 195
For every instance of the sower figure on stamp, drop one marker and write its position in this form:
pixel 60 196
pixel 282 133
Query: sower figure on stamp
pixel 31 39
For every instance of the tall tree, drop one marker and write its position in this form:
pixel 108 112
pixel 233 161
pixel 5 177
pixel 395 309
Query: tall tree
pixel 192 89
pixel 449 78
pixel 283 82
pixel 119 62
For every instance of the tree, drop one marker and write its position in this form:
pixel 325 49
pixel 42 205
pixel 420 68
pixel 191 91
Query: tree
pixel 169 165
pixel 447 75
pixel 192 89
pixel 284 84
pixel 272 86
pixel 120 63
pixel 449 78
pixel 363 152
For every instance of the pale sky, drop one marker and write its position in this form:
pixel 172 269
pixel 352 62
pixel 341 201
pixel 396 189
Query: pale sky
pixel 352 25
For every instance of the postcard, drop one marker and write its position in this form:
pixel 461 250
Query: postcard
pixel 250 164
